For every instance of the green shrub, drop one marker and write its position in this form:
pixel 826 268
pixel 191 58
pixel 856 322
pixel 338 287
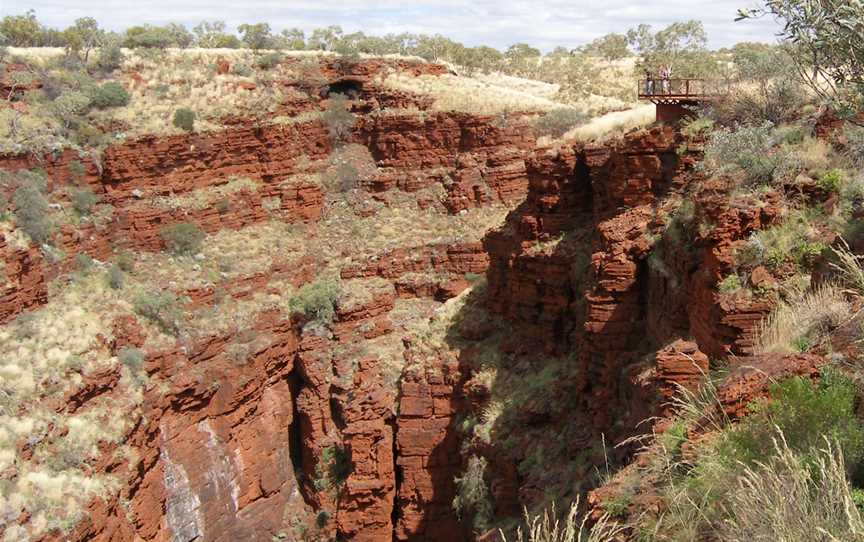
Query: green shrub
pixel 76 169
pixel 729 285
pixel 858 499
pixel 131 358
pixel 790 134
pixel 268 60
pixel 806 414
pixel 473 496
pixel 125 261
pixel 315 300
pixel 338 119
pixel 672 439
pixel 31 210
pixel 558 122
pixel 183 238
pixel 83 200
pixel 69 106
pixel 805 252
pixel 745 148
pixel 854 150
pixel 223 206
pixel 110 57
pixel 831 181
pixel 184 118
pixel 241 69
pixel 161 308
pixel 115 277
pixel 111 94
pixel 697 126
pixel 83 262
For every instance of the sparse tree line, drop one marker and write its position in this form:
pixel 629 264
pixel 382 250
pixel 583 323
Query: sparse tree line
pixel 681 43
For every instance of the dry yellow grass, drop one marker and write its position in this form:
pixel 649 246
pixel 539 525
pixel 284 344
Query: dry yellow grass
pixel 45 355
pixel 456 93
pixel 614 123
pixel 205 197
pixel 803 322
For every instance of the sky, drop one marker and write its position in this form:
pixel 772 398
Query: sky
pixel 499 23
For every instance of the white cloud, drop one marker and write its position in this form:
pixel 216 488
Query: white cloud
pixel 544 23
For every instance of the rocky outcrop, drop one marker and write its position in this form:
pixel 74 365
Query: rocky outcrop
pixel 680 365
pixel 427 453
pixel 212 459
pixel 483 161
pixel 23 284
pixel 140 226
pixel 751 378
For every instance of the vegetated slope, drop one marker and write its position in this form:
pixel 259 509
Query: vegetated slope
pixel 204 332
pixel 281 326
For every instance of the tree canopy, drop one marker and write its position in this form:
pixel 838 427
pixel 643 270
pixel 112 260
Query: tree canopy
pixel 827 39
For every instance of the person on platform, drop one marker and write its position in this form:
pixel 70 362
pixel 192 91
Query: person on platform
pixel 649 82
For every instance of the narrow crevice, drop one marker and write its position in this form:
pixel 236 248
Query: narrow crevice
pixel 295 436
pixel 397 475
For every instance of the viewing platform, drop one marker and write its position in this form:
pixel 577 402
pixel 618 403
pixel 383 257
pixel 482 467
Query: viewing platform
pixel 673 97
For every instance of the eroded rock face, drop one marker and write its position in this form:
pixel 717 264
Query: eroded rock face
pixel 427 454
pixel 24 285
pixel 212 457
pixel 238 448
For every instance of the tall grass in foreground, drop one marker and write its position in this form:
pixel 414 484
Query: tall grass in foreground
pixel 848 267
pixel 546 527
pixel 791 500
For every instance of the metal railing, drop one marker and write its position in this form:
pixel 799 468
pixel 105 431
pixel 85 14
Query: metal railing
pixel 680 89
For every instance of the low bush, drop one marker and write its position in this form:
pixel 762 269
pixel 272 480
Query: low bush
pixel 184 118
pixel 473 497
pixel 31 208
pixel 69 106
pixel 110 57
pixel 806 414
pixel 745 148
pixel 183 238
pixel 697 126
pixel 161 308
pixel 131 357
pixel 854 150
pixel 830 181
pixel 558 122
pixel 77 170
pixel 241 69
pixel 729 285
pixel 223 205
pixel 115 277
pixel 333 468
pixel 83 200
pixel 315 300
pixel 110 94
pixel 268 60
pixel 338 119
pixel 83 262
pixel 793 241
pixel 125 261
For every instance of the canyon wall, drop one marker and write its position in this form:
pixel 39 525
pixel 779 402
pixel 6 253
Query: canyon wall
pixel 349 430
